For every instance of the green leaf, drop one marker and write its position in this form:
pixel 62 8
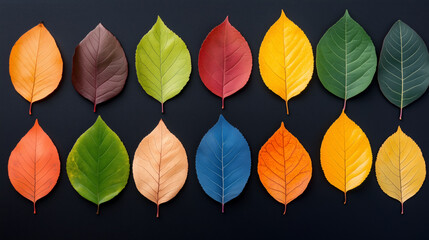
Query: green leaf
pixel 346 59
pixel 98 165
pixel 163 63
pixel 403 71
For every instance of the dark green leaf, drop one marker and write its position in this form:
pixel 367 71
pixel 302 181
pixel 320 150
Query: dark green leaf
pixel 346 59
pixel 403 71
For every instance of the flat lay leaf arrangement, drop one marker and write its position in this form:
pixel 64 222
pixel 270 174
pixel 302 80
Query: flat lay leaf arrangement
pixel 346 59
pixel 345 155
pixel 98 165
pixel 403 70
pixel 35 64
pixel 163 63
pixel 223 162
pixel 160 166
pixel 286 59
pixel 224 61
pixel 34 165
pixel 100 66
pixel 400 167
pixel 284 166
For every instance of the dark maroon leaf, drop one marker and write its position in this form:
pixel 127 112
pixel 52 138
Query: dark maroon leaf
pixel 100 67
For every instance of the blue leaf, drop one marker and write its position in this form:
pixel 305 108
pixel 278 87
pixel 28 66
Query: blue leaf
pixel 223 162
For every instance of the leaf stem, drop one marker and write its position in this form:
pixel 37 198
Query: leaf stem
pixel 344 107
pixel 402 208
pixel 287 108
pixel 223 207
pixel 345 198
pixel 223 102
pixel 98 209
pixel 157 210
pixel 34 207
pixel 284 212
pixel 95 105
pixel 31 104
pixel 162 107
pixel 400 114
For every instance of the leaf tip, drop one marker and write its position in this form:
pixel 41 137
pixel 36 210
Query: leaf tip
pixel 221 118
pixel 282 125
pixel 346 13
pixel 159 20
pixel 99 120
pixel 227 19
pixel 282 14
pixel 399 129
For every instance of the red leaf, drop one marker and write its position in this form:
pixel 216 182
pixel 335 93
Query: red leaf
pixel 100 67
pixel 225 61
pixel 34 165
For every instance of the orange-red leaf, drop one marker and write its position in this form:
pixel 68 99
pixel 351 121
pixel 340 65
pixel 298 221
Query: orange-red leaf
pixel 284 166
pixel 34 165
pixel 35 64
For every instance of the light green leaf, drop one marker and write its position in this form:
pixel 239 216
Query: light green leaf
pixel 346 59
pixel 98 165
pixel 163 63
pixel 403 71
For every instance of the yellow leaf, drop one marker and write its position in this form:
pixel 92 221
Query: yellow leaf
pixel 35 64
pixel 286 59
pixel 160 166
pixel 400 167
pixel 345 155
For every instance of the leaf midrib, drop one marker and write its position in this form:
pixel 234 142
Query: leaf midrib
pixel 35 65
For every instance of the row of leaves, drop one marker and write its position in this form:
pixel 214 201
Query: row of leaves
pixel 346 62
pixel 98 165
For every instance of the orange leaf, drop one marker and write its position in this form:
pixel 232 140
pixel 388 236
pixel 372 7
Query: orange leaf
pixel 35 64
pixel 160 166
pixel 284 166
pixel 34 165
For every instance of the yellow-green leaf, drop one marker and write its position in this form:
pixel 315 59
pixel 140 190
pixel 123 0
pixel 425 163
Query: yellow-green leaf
pixel 286 59
pixel 400 167
pixel 345 155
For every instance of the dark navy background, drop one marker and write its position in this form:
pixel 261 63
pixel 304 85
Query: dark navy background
pixel 318 213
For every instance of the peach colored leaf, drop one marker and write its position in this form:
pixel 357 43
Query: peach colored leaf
pixel 160 166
